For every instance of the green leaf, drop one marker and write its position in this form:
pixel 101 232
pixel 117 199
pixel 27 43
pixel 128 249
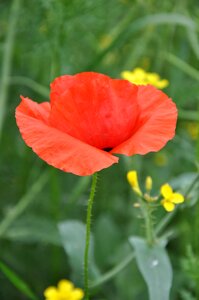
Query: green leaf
pixel 17 281
pixel 154 265
pixel 73 239
pixel 106 242
pixel 33 229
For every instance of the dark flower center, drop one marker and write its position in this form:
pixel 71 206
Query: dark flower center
pixel 107 149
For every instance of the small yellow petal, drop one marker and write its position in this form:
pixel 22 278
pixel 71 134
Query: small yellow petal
pixel 65 286
pixel 166 191
pixel 126 74
pixel 168 205
pixel 78 294
pixel 148 183
pixel 162 84
pixel 177 198
pixel 140 73
pixel 51 293
pixel 153 78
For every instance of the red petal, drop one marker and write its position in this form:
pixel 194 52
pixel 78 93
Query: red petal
pixel 156 126
pixel 56 147
pixel 59 86
pixel 94 108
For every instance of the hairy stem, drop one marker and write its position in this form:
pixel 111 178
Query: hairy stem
pixel 146 210
pixel 88 229
pixel 149 225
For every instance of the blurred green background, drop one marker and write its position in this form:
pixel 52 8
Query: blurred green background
pixel 42 39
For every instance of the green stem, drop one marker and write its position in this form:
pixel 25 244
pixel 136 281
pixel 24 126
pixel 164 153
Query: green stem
pixel 165 221
pixel 7 58
pixel 147 214
pixel 149 225
pixel 189 189
pixel 114 271
pixel 88 229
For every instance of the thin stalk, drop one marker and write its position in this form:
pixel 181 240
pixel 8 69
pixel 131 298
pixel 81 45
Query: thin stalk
pixel 7 58
pixel 183 66
pixel 149 225
pixel 35 86
pixel 166 220
pixel 189 189
pixel 88 230
pixel 147 215
pixel 186 115
pixel 114 271
pixel 23 203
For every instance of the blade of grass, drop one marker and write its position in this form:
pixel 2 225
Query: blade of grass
pixel 23 203
pixel 183 66
pixel 188 115
pixel 7 58
pixel 18 282
pixel 193 39
pixel 80 188
pixel 126 31
pixel 36 87
pixel 192 72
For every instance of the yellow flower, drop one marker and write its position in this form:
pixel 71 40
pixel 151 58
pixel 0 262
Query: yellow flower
pixel 141 77
pixel 133 181
pixel 148 183
pixel 170 198
pixel 65 291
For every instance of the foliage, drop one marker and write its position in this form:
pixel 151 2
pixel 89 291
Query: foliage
pixel 51 38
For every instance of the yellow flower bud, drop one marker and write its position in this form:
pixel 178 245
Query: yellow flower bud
pixel 148 183
pixel 133 181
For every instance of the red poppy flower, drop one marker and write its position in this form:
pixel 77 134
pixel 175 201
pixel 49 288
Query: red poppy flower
pixel 91 116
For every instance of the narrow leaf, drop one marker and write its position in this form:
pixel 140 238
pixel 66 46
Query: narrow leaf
pixel 17 281
pixel 33 229
pixel 23 203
